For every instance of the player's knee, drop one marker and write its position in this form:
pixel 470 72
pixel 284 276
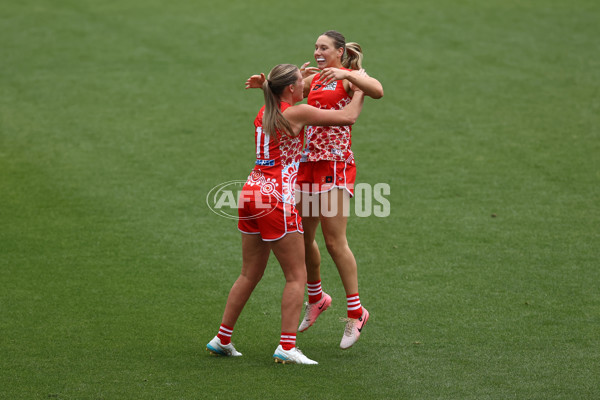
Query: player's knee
pixel 336 246
pixel 297 276
pixel 252 279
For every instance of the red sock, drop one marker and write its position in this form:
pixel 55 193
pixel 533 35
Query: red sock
pixel 314 291
pixel 225 333
pixel 288 340
pixel 354 308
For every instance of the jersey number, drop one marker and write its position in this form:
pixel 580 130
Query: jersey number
pixel 262 143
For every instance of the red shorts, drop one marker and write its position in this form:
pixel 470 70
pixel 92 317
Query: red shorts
pixel 269 218
pixel 322 176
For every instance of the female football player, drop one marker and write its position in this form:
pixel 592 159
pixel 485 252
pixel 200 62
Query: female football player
pixel 268 218
pixel 327 170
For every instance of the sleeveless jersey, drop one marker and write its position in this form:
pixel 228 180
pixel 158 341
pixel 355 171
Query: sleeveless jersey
pixel 331 143
pixel 276 162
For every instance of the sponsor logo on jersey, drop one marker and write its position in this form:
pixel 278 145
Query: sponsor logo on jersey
pixel 265 163
pixel 331 86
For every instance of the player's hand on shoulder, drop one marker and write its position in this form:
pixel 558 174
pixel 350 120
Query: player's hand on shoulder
pixel 331 74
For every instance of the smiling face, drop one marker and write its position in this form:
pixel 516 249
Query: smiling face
pixel 326 55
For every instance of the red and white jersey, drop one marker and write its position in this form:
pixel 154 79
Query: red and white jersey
pixel 331 143
pixel 276 162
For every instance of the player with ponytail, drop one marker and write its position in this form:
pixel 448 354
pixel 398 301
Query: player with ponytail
pixel 327 170
pixel 268 219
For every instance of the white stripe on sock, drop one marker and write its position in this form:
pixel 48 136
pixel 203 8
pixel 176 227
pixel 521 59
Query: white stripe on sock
pixel 225 331
pixel 353 303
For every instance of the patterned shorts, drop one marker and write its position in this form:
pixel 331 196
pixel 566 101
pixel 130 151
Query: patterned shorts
pixel 266 216
pixel 322 176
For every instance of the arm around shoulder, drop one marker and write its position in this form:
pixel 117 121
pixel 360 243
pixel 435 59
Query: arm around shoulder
pixel 371 86
pixel 302 114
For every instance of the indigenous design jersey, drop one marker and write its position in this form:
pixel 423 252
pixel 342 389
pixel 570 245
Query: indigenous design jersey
pixel 330 143
pixel 276 162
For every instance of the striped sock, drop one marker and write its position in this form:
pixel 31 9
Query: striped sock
pixel 288 340
pixel 354 308
pixel 225 333
pixel 314 291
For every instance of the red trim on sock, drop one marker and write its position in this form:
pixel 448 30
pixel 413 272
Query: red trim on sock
pixel 314 294
pixel 225 333
pixel 288 340
pixel 354 308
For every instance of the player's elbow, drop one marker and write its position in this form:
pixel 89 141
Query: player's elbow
pixel 351 119
pixel 377 94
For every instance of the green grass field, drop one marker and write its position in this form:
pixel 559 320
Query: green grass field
pixel 118 117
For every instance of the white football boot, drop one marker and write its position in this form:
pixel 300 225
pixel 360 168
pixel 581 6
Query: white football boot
pixel 293 356
pixel 215 347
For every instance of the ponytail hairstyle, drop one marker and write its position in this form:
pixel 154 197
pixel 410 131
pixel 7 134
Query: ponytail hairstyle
pixel 352 56
pixel 279 78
